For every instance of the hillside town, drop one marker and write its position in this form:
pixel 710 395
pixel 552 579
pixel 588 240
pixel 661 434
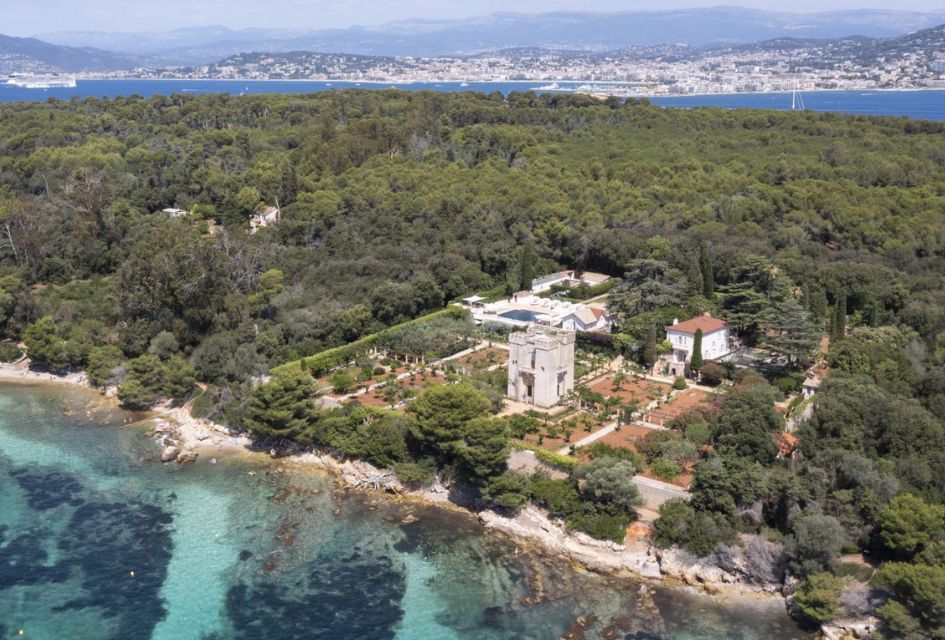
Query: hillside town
pixel 913 62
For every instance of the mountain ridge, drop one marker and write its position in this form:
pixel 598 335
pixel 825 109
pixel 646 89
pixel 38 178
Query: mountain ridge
pixel 599 31
pixel 31 54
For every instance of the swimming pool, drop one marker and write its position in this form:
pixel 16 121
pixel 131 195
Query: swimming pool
pixel 520 314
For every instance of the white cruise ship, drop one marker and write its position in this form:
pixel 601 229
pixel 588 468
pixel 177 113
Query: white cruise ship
pixel 31 81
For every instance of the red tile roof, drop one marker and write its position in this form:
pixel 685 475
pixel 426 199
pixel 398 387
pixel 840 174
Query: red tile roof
pixel 707 323
pixel 786 443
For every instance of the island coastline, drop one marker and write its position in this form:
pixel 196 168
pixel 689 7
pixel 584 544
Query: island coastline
pixel 196 438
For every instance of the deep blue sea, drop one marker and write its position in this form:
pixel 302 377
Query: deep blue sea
pixel 99 540
pixel 928 105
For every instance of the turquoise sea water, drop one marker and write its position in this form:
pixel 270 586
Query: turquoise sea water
pixel 98 539
pixel 927 105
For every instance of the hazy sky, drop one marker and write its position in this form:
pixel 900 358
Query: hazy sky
pixel 28 17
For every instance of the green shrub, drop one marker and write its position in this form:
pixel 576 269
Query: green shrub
pixel 102 362
pixel 712 374
pixel 508 491
pixel 204 404
pixel 415 474
pixel 341 382
pixel 818 597
pixel 522 425
pixel 10 352
pixel 680 383
pixel 380 441
pixel 565 463
pixel 602 450
pixel 859 572
pixel 603 526
pixel 651 445
pixel 814 543
pixel 698 433
pixel 679 451
pixel 788 384
pixel 696 531
pixel 560 497
pixel 748 378
pixel 665 469
pixel 610 481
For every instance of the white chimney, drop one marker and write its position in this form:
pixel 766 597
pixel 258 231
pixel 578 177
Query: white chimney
pixel 675 321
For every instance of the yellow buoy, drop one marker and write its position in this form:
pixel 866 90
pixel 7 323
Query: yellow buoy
pixel 22 633
pixel 131 573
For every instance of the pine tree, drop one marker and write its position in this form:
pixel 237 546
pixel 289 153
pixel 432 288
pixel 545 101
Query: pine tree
pixel 45 344
pixel 438 416
pixel 696 362
pixel 486 448
pixel 792 333
pixel 283 407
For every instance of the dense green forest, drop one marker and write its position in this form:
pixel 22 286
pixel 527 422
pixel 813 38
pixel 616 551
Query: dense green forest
pixel 394 203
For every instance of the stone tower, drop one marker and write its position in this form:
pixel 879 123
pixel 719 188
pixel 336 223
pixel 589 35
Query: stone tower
pixel 541 365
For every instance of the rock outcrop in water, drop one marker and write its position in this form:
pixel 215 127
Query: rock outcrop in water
pixel 169 436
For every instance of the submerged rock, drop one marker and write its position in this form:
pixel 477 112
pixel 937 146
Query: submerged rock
pixel 188 456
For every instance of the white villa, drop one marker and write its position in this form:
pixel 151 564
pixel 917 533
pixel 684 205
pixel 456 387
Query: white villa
pixel 525 308
pixel 174 212
pixel 811 385
pixel 567 278
pixel 268 216
pixel 541 365
pixel 716 342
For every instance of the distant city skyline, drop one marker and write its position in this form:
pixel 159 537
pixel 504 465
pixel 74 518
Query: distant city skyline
pixel 44 16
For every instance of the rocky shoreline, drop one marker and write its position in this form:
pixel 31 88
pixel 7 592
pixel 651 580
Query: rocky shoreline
pixel 184 439
pixel 531 526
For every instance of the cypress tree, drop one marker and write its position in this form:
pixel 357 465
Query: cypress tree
pixel 707 268
pixel 694 276
pixel 842 316
pixel 649 347
pixel 817 304
pixel 527 263
pixel 696 362
pixel 874 315
pixel 839 329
